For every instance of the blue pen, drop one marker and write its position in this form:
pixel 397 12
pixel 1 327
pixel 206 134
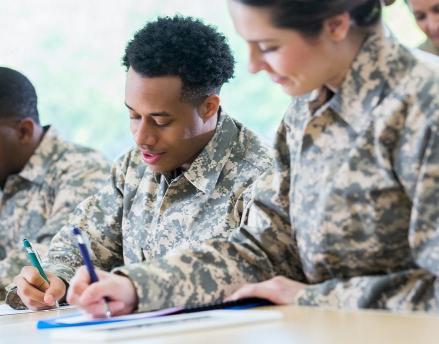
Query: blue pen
pixel 87 261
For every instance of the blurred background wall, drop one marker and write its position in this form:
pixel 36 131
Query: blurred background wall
pixel 72 49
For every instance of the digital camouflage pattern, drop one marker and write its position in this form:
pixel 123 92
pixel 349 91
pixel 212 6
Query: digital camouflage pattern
pixel 350 208
pixel 140 215
pixel 37 202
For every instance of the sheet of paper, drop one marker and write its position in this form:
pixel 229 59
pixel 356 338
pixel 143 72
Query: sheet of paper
pixel 171 324
pixel 6 310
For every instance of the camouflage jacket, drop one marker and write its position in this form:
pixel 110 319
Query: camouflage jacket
pixel 350 208
pixel 141 215
pixel 36 203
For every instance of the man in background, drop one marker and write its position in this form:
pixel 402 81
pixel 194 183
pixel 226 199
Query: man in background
pixel 42 177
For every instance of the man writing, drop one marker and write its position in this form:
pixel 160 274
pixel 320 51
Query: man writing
pixel 184 181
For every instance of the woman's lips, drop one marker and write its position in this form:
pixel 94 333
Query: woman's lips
pixel 279 79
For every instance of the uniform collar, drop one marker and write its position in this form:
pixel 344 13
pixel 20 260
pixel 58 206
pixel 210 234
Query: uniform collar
pixel 373 74
pixel 204 172
pixel 36 168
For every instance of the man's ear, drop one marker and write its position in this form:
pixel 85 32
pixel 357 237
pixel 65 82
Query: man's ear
pixel 209 107
pixel 337 27
pixel 26 130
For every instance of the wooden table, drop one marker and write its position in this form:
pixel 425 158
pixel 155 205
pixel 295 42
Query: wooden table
pixel 300 325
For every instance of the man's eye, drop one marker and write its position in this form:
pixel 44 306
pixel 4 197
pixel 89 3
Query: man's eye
pixel 266 50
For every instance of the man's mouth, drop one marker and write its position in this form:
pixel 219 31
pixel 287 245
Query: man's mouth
pixel 151 158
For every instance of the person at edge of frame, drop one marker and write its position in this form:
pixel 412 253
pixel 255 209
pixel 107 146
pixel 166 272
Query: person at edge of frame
pixel 426 13
pixel 42 176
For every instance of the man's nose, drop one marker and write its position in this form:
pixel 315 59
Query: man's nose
pixel 145 135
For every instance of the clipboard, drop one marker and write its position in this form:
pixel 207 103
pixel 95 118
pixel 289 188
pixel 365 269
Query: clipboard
pixel 80 319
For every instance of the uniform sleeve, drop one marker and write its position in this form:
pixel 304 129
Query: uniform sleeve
pixel 416 164
pixel 256 251
pixel 100 219
pixel 74 184
pixel 407 290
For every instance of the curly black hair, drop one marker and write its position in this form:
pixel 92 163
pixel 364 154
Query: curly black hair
pixel 184 47
pixel 18 98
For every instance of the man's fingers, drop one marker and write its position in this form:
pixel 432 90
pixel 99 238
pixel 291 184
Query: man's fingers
pixel 56 290
pixel 82 274
pixel 75 291
pixel 28 293
pixel 78 284
pixel 102 275
pixel 78 287
pixel 118 290
pixel 94 293
pixel 97 309
pixel 37 306
pixel 33 277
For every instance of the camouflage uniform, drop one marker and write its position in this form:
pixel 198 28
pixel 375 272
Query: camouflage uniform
pixel 429 47
pixel 141 215
pixel 350 208
pixel 36 202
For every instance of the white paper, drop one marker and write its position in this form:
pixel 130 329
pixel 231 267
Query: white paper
pixel 80 318
pixel 165 325
pixel 7 310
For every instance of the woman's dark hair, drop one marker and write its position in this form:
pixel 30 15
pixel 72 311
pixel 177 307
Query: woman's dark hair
pixel 307 16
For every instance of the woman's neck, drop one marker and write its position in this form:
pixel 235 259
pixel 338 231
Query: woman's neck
pixel 345 56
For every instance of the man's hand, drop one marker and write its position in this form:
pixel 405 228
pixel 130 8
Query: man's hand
pixel 35 292
pixel 279 290
pixel 119 291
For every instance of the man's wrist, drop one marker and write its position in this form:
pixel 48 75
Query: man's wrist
pixel 133 291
